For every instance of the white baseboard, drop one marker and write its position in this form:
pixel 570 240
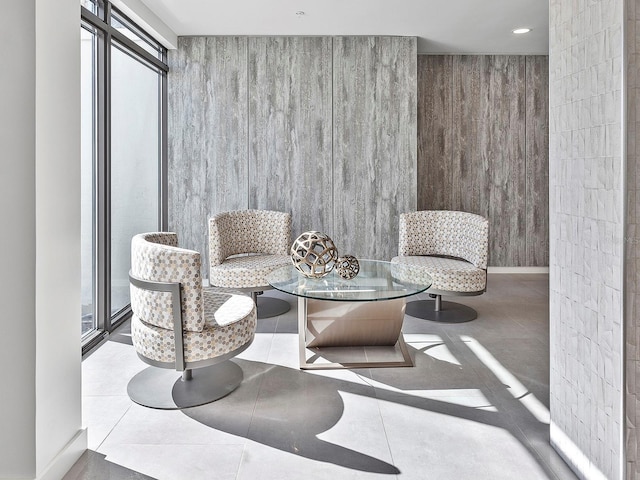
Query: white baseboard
pixel 66 458
pixel 517 269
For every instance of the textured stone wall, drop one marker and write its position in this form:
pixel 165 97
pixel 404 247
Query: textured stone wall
pixel 586 234
pixel 632 244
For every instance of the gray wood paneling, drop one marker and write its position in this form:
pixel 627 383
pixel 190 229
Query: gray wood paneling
pixel 503 141
pixel 374 131
pixel 470 188
pixel 290 110
pixel 537 149
pixel 435 127
pixel 207 125
pixel 488 152
pixel 324 128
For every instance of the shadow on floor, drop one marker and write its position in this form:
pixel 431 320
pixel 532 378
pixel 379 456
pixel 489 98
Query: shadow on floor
pixel 286 409
pixel 93 465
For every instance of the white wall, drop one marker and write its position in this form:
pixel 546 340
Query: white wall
pixel 586 172
pixel 17 242
pixel 58 353
pixel 41 435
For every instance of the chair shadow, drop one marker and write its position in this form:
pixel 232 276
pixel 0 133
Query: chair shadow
pixel 286 409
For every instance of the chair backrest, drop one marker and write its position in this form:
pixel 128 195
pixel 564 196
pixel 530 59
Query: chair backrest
pixel 448 233
pixel 156 257
pixel 248 231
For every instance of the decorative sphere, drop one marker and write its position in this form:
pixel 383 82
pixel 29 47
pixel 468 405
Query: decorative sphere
pixel 347 267
pixel 314 254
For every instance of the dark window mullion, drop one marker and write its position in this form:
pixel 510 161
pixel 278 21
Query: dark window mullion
pixel 128 47
pixel 163 181
pixel 93 19
pixel 103 180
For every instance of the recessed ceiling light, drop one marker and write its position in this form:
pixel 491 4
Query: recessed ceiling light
pixel 300 13
pixel 519 31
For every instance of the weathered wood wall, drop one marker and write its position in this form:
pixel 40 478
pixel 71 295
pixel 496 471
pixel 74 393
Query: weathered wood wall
pixel 483 148
pixel 325 128
pixel 290 129
pixel 322 127
pixel 208 117
pixel 374 174
pixel 537 161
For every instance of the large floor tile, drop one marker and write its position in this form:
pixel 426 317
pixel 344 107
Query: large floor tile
pixel 233 414
pixel 147 426
pixel 474 406
pixel 101 414
pixel 284 350
pixel 437 366
pixel 107 371
pixel 454 442
pixel 179 461
pixel 519 365
pixel 321 418
pixel 259 348
pixel 349 375
pixel 492 322
pixel 92 465
pixel 509 289
pixel 264 463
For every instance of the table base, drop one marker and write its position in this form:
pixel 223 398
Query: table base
pixel 351 334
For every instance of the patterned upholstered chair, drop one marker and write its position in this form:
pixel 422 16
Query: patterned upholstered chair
pixel 452 248
pixel 179 325
pixel 245 246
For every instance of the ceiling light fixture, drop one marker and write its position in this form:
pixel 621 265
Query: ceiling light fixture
pixel 520 31
pixel 300 13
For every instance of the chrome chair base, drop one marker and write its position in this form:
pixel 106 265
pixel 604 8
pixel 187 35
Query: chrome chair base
pixel 165 389
pixel 450 312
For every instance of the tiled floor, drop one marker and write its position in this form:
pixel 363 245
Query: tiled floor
pixel 475 406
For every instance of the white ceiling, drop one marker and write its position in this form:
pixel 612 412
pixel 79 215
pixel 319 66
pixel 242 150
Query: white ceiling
pixel 442 26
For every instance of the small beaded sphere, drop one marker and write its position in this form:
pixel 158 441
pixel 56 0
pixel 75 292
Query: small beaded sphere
pixel 347 267
pixel 314 254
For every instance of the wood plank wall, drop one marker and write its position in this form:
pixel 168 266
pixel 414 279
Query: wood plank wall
pixel 251 125
pixel 483 148
pixel 537 158
pixel 207 87
pixel 374 173
pixel 290 129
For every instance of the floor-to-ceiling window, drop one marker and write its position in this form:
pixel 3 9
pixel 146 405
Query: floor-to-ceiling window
pixel 89 43
pixel 123 157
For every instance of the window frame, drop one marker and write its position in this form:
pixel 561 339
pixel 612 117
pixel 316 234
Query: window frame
pixel 107 35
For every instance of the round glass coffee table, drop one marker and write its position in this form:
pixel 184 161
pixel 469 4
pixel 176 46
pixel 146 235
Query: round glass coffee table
pixel 353 323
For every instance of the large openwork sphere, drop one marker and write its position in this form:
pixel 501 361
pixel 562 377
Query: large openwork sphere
pixel 347 267
pixel 314 254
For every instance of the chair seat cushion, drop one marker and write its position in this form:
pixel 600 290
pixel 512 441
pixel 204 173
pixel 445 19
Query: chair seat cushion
pixel 230 322
pixel 246 271
pixel 448 274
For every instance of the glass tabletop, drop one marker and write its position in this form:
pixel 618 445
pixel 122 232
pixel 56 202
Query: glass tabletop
pixel 377 280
